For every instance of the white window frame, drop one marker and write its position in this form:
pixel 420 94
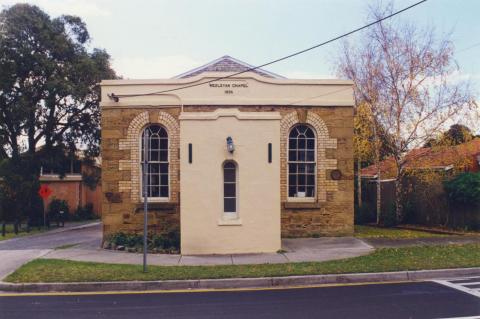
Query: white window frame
pixel 230 215
pixel 140 155
pixel 315 162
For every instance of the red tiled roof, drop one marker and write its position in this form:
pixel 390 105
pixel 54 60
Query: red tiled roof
pixel 431 158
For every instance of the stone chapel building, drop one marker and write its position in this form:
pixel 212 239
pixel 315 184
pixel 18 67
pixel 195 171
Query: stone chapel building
pixel 234 164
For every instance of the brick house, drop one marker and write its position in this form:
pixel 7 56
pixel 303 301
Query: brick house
pixel 463 157
pixel 72 187
pixel 234 164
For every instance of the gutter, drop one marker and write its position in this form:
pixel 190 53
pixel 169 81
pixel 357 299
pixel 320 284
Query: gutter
pixel 241 283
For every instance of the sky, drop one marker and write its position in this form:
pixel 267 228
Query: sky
pixel 160 39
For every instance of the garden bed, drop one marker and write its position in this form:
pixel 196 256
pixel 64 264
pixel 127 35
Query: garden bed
pixel 157 244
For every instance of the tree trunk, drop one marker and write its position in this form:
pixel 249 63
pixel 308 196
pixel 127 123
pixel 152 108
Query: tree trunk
pixel 15 227
pixel 359 183
pixel 398 200
pixel 377 163
pixel 379 197
pixel 399 191
pixel 4 229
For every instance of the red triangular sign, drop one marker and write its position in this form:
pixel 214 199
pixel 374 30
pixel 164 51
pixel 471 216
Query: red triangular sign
pixel 44 191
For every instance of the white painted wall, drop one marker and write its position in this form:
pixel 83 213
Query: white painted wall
pixel 204 230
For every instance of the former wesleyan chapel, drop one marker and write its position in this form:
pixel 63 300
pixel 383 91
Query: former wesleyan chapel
pixel 234 163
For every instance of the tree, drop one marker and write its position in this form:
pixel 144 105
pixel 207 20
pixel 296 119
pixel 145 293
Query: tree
pixel 363 147
pixel 364 141
pixel 49 95
pixel 403 73
pixel 464 189
pixel 456 134
pixel 48 91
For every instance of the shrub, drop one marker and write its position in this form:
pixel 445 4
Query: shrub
pixel 119 239
pixel 389 217
pixel 174 237
pixel 85 212
pixel 464 189
pixel 167 243
pixel 55 207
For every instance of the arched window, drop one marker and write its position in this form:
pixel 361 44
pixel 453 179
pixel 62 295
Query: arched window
pixel 301 162
pixel 229 187
pixel 157 172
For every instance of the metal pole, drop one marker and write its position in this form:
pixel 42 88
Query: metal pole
pixel 44 215
pixel 145 197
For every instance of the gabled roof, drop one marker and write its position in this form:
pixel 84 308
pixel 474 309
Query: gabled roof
pixel 436 158
pixel 229 65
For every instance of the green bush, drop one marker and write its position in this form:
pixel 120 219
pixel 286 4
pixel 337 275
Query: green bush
pixel 119 239
pixel 168 243
pixel 464 189
pixel 85 212
pixel 174 237
pixel 55 207
pixel 389 217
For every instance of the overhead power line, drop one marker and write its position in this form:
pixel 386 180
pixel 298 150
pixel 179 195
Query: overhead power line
pixel 116 97
pixel 469 48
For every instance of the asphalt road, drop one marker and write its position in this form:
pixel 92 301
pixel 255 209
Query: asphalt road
pixel 15 252
pixel 402 300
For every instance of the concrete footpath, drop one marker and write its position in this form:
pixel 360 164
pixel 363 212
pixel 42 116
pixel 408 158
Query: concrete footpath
pixel 82 243
pixel 239 283
pixel 294 250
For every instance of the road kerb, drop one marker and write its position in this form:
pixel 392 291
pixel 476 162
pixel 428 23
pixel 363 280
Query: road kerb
pixel 232 283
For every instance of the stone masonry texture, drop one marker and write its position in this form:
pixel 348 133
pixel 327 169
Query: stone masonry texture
pixel 122 208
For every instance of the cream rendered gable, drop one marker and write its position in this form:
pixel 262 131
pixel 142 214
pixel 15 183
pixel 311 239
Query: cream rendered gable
pixel 244 89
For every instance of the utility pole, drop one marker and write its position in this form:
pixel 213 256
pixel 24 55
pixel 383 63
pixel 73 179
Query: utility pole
pixel 145 197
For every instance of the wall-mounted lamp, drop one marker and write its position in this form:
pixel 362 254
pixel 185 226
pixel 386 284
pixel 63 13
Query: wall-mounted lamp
pixel 230 146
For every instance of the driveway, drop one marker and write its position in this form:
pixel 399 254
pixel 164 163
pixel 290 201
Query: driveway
pixel 15 252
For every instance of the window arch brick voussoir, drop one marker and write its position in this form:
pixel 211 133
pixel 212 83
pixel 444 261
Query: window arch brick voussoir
pixel 131 142
pixel 323 142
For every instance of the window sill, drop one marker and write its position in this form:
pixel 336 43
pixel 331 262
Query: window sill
pixel 301 199
pixel 301 205
pixel 157 206
pixel 57 178
pixel 229 222
pixel 155 200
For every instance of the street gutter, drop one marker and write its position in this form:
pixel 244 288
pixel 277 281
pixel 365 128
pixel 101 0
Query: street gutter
pixel 235 283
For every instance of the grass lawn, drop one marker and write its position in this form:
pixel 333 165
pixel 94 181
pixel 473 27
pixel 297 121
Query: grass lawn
pixel 363 231
pixel 386 259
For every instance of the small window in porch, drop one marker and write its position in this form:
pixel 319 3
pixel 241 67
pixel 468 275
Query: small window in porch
pixel 229 187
